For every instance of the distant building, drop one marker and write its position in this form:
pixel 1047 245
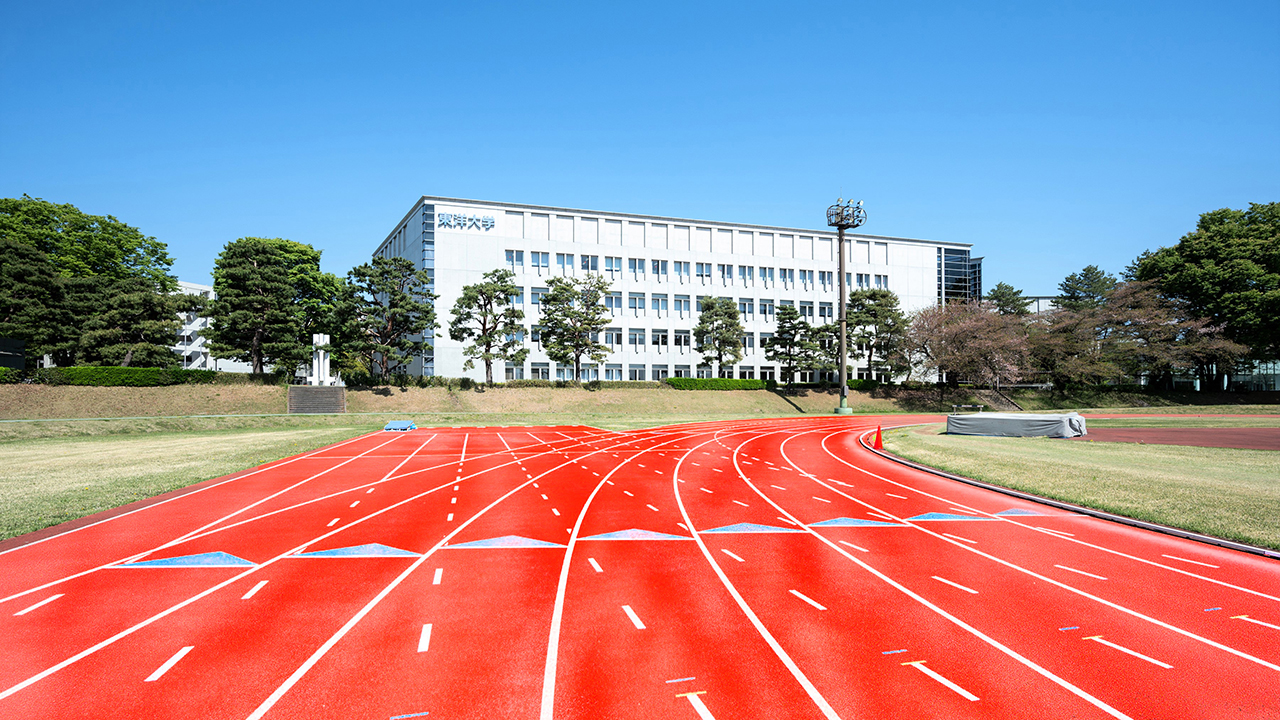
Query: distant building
pixel 191 343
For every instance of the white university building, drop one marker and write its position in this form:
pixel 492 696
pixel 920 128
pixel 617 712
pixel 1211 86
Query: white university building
pixel 658 268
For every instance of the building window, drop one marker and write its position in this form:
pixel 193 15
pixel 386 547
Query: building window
pixel 826 279
pixel 564 263
pixel 747 274
pixel 806 310
pixel 725 373
pixel 767 373
pixel 635 338
pixel 683 371
pixel 683 339
pixel 806 279
pixel 517 299
pixel 658 304
pixel 682 272
pixel 613 372
pixel 726 273
pixel 825 312
pixel 613 301
pixel 636 267
pixel 658 338
pixel 704 272
pixel 613 266
pixel 788 277
pixel 704 371
pixel 589 373
pixel 746 373
pixel 659 270
pixel 635 372
pixel 749 342
pixel 540 260
pixel 635 303
pixel 882 282
pixel 766 310
pixel 746 308
pixel 683 306
pixel 660 372
pixel 541 371
pixel 535 334
pixel 515 260
pixel 536 295
pixel 864 281
pixel 766 276
pixel 613 338
pixel 591 263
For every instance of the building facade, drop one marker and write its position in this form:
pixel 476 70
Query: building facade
pixel 190 343
pixel 658 268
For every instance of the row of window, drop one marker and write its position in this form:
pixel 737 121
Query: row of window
pixel 619 371
pixel 657 304
pixel 639 338
pixel 706 273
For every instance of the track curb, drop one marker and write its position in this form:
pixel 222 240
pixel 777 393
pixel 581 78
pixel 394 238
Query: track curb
pixel 1155 527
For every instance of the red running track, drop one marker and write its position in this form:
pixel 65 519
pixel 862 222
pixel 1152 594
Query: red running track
pixel 755 569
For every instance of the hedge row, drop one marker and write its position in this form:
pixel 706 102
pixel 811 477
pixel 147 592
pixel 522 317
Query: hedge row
pixel 9 375
pixel 720 384
pixel 113 376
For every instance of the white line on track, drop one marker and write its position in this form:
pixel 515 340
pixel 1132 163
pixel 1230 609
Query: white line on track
pixel 807 599
pixel 742 503
pixel 370 490
pixel 1246 618
pixel 595 565
pixel 652 508
pixel 435 580
pixel 333 522
pixel 735 557
pixel 955 585
pixel 855 547
pixel 453 501
pixel 919 665
pixel 424 638
pixel 1193 562
pixel 254 590
pixel 1080 572
pixel 778 487
pixel 555 512
pixel 705 490
pixel 635 619
pixel 815 497
pixel 698 706
pixel 160 671
pixel 957 537
pixel 1051 531
pixel 1135 653
pixel 717 469
pixel 789 520
pixel 42 603
pixel 627 493
pixel 449 518
pixel 900 497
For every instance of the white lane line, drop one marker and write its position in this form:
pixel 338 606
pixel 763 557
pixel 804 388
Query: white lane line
pixel 698 464
pixel 717 469
pixel 169 663
pixel 919 665
pixel 698 707
pixel 455 488
pixel 809 600
pixel 778 487
pixel 595 565
pixel 1193 562
pixel 332 522
pixel 955 585
pixel 544 497
pixel 735 557
pixel 424 640
pixel 1081 572
pixel 535 486
pixel 1052 531
pixel 635 619
pixel 686 527
pixel 742 503
pixel 1135 653
pixel 254 590
pixel 900 497
pixel 815 497
pixel 652 508
pixel 1246 618
pixel 957 537
pixel 370 490
pixel 449 518
pixel 354 504
pixel 627 493
pixel 593 472
pixel 789 520
pixel 453 501
pixel 706 491
pixel 855 547
pixel 555 512
pixel 439 574
pixel 43 602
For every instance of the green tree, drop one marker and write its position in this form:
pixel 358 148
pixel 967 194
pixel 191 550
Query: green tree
pixel 391 313
pixel 1086 289
pixel 791 346
pixel 826 347
pixel 253 318
pixel 572 316
pixel 484 315
pixel 877 323
pixel 315 293
pixel 1226 270
pixel 82 245
pixel 718 333
pixel 137 327
pixel 31 298
pixel 1008 300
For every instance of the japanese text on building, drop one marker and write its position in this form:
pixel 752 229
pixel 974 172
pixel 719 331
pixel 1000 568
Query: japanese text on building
pixel 463 222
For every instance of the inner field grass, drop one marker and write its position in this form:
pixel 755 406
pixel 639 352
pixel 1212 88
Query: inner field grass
pixel 1224 492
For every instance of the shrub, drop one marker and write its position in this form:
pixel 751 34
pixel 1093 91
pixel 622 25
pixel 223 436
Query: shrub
pixel 719 384
pixel 8 376
pixel 864 385
pixel 122 376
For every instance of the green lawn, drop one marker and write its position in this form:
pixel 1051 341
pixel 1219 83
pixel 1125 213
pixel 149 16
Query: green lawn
pixel 1224 492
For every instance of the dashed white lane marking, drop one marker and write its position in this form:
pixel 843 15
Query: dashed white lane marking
pixel 900 497
pixel 717 469
pixel 789 521
pixel 706 491
pixel 424 640
pixel 332 522
pixel 742 503
pixel 635 619
pixel 807 599
pixel 535 486
pixel 1246 618
pixel 694 463
pixel 855 547
pixel 1135 653
pixel 919 665
pixel 449 518
pixel 455 488
pixel 778 487
pixel 595 565
pixel 698 706
pixel 1081 572
pixel 957 537
pixel 555 512
pixel 1051 531
pixel 608 482
pixel 593 472
pixel 160 671
pixel 435 580
pixel 366 492
pixel 652 508
pixel 453 501
pixel 627 493
pixel 815 497
pixel 639 464
pixel 1193 562
pixel 254 590
pixel 43 602
pixel 955 585
pixel 544 497
pixel 735 557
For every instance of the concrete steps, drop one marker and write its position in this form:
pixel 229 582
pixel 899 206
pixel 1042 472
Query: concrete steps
pixel 314 400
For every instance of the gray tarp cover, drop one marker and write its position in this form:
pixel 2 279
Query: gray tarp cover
pixel 1017 425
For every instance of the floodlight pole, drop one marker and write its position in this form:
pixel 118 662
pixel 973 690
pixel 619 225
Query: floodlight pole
pixel 844 215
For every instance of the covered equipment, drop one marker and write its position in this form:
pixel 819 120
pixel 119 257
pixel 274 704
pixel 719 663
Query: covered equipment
pixel 1066 425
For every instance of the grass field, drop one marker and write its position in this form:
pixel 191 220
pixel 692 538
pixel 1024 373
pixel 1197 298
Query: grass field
pixel 1223 492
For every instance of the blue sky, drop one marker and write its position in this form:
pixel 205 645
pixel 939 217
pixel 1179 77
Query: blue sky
pixel 1049 135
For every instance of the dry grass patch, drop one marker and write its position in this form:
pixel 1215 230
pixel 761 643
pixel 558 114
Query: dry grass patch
pixel 1224 492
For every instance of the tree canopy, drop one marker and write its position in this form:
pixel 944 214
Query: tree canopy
pixel 390 313
pixel 877 322
pixel 137 327
pixel 1008 300
pixel 485 315
pixel 790 347
pixel 1086 289
pixel 718 333
pixel 572 316
pixel 253 318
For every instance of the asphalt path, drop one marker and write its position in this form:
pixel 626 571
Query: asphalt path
pixel 752 569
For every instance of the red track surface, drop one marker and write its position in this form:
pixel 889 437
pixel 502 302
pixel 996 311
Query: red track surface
pixel 1044 615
